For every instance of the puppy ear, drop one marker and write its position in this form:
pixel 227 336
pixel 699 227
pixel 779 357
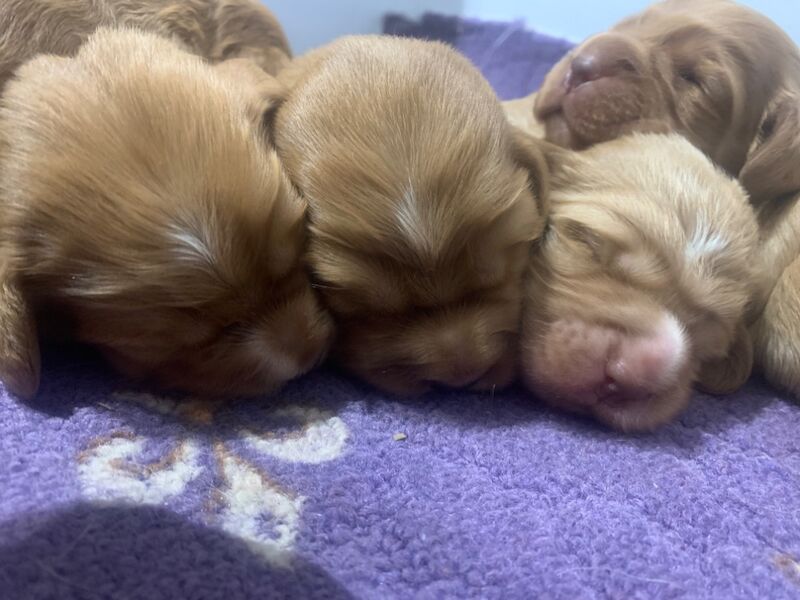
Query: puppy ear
pixel 528 152
pixel 19 344
pixel 728 374
pixel 263 93
pixel 772 169
pixel 247 29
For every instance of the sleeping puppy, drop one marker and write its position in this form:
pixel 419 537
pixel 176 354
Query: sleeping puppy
pixel 423 203
pixel 641 285
pixel 143 212
pixel 726 78
pixel 720 74
pixel 215 29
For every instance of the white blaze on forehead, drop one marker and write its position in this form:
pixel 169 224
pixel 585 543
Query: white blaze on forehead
pixel 705 242
pixel 414 225
pixel 192 246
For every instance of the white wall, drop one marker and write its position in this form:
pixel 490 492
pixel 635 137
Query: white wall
pixel 578 19
pixel 310 23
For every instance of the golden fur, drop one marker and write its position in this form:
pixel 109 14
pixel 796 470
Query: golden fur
pixel 720 74
pixel 776 335
pixel 143 212
pixel 728 79
pixel 215 29
pixel 641 284
pixel 423 203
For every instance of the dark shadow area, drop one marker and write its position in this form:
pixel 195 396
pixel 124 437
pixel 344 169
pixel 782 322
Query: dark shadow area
pixel 77 377
pixel 95 552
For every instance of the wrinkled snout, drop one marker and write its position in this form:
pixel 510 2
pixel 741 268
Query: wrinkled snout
pixel 600 91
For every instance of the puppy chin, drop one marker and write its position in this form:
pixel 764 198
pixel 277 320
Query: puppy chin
pixel 501 375
pixel 643 416
pixel 258 360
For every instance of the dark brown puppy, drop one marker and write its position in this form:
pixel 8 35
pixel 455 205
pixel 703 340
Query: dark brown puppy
pixel 423 203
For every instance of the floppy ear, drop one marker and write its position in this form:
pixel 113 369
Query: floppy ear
pixel 528 152
pixel 247 29
pixel 728 374
pixel 772 169
pixel 262 92
pixel 19 344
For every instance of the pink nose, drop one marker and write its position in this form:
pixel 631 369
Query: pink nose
pixel 605 56
pixel 587 363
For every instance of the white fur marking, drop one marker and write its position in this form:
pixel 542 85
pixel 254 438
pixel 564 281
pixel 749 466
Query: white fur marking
pixel 191 246
pixel 705 242
pixel 412 224
pixel 673 334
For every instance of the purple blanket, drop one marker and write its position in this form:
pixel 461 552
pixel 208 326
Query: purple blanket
pixel 333 490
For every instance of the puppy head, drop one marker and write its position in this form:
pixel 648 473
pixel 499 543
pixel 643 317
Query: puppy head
pixel 641 284
pixel 145 208
pixel 713 71
pixel 422 204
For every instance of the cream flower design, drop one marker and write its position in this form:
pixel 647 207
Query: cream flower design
pixel 246 503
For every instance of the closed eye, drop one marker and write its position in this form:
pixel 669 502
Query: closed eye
pixel 690 76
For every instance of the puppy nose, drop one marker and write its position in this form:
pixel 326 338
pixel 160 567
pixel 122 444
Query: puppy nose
pixel 605 56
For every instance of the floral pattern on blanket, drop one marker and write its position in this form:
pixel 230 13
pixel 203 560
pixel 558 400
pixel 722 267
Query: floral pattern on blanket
pixel 245 501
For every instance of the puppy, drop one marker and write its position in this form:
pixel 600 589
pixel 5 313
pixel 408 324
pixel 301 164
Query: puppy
pixel 143 212
pixel 641 285
pixel 215 29
pixel 423 203
pixel 726 78
pixel 720 74
pixel 776 335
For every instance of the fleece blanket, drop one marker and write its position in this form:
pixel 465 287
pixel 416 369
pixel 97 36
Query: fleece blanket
pixel 333 490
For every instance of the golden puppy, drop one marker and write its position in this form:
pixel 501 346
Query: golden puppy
pixel 423 203
pixel 728 79
pixel 641 284
pixel 776 335
pixel 214 29
pixel 143 212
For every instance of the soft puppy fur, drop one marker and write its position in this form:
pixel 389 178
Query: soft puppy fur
pixel 641 284
pixel 143 212
pixel 215 29
pixel 776 335
pixel 728 79
pixel 423 203
pixel 720 74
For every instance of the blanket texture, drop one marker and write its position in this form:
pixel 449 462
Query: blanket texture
pixel 332 490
